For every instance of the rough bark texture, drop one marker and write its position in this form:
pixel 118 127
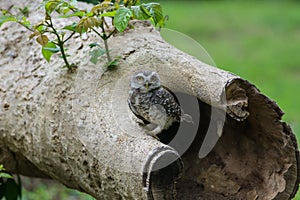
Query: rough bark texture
pixel 77 128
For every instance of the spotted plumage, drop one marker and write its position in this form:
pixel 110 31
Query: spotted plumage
pixel 153 103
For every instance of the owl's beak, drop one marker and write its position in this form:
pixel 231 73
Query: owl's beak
pixel 147 85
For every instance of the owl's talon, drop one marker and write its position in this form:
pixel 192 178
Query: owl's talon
pixel 187 118
pixel 152 135
pixel 141 124
pixel 153 130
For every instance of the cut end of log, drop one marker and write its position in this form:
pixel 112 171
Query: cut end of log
pixel 255 158
pixel 161 172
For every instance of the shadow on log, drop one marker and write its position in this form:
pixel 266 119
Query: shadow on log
pixel 77 127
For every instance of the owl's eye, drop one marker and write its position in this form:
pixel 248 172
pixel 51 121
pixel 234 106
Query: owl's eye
pixel 153 79
pixel 139 78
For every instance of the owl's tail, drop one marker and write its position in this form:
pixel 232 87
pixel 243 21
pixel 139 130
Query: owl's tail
pixel 186 118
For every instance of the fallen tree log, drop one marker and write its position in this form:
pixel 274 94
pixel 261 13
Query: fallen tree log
pixel 77 127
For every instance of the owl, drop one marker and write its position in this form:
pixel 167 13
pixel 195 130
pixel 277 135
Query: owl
pixel 154 104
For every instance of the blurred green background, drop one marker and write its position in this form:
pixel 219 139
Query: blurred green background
pixel 257 40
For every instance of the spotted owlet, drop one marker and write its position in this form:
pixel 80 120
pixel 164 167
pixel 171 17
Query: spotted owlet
pixel 154 104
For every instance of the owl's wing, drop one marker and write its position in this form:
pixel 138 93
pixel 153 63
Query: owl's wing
pixel 172 93
pixel 183 116
pixel 132 108
pixel 166 98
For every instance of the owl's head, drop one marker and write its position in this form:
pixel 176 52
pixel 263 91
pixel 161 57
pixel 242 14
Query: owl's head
pixel 145 81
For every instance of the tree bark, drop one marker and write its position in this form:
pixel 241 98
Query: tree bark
pixel 77 127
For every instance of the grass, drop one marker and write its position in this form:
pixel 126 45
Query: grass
pixel 36 189
pixel 257 40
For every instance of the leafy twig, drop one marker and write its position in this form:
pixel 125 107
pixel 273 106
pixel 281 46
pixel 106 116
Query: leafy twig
pixel 120 15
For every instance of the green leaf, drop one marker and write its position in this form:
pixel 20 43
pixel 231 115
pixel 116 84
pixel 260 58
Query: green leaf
pixel 73 3
pixel 40 27
pixel 140 13
pixel 11 190
pixel 24 11
pixel 87 23
pixel 95 54
pixel 65 10
pixel 2 189
pixel 4 12
pixel 109 14
pixel 97 9
pixel 42 40
pixel 63 7
pixel 48 50
pixel 89 14
pixel 51 5
pixel 5 175
pixel 71 27
pixel 155 11
pixel 94 44
pixel 129 3
pixel 122 18
pixel 52 50
pixel 25 22
pixel 112 65
pixel 76 14
pixel 7 18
